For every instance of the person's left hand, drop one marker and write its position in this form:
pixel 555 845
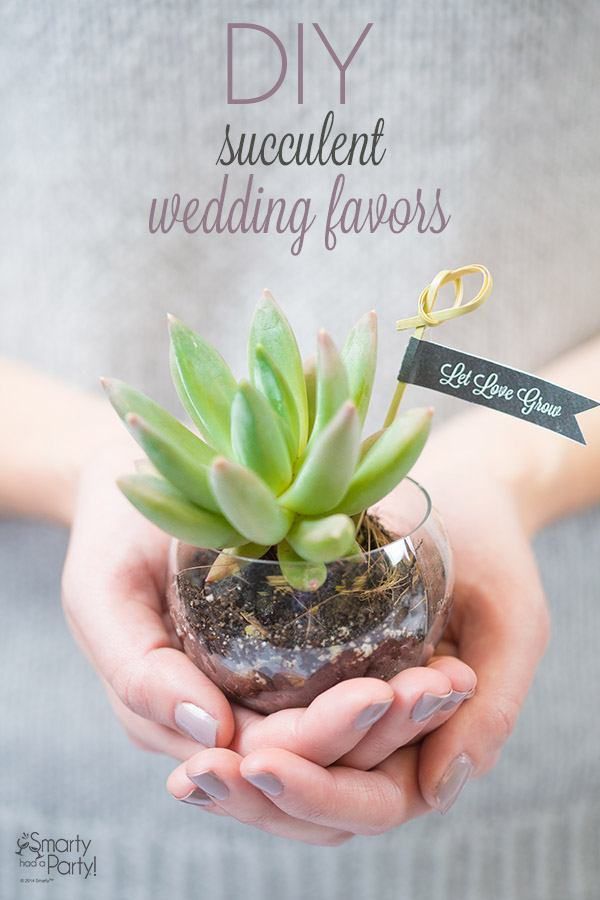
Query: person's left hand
pixel 357 724
pixel 308 780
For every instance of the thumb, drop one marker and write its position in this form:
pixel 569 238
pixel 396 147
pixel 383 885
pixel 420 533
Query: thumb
pixel 503 632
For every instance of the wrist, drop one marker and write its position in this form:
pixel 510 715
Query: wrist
pixel 104 437
pixel 42 466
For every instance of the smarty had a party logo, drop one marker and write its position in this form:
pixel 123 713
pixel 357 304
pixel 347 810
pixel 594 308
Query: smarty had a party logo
pixel 44 859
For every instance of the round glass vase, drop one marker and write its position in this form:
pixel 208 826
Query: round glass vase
pixel 269 646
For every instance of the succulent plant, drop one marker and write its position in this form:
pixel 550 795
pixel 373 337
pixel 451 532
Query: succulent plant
pixel 278 460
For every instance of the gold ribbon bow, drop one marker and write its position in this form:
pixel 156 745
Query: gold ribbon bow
pixel 427 317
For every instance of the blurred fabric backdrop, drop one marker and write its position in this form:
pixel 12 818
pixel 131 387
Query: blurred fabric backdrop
pixel 105 106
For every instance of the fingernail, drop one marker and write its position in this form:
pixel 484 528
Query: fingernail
pixel 266 782
pixel 210 783
pixel 455 698
pixel 196 798
pixel 427 705
pixel 372 714
pixel 456 776
pixel 197 723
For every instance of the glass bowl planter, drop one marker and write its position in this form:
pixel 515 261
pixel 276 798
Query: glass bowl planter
pixel 269 646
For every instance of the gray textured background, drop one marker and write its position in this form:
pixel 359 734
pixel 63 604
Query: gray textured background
pixel 105 105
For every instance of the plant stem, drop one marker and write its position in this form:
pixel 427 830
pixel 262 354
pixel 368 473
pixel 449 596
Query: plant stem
pixel 393 407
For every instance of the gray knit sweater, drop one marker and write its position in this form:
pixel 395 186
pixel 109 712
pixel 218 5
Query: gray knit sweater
pixel 107 105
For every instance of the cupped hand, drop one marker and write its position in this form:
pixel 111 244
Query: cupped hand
pixel 114 601
pixel 499 627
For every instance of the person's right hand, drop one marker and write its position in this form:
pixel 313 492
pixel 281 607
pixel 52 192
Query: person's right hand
pixel 114 600
pixel 114 603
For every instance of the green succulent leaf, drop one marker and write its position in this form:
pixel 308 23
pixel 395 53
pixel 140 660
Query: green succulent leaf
pixel 279 462
pixel 164 505
pixel 248 503
pixel 325 473
pixel 310 379
pixel 271 330
pixel 178 461
pixel 360 358
pixel 270 382
pixel 204 382
pixel 331 384
pixel 257 438
pixel 247 551
pixel 368 443
pixel 355 550
pixel 173 449
pixel 301 575
pixel 387 461
pixel 322 540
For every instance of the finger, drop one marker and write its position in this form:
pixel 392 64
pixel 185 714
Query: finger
pixel 114 602
pixel 502 636
pixel 333 723
pixel 182 789
pixel 464 687
pixel 339 797
pixel 217 774
pixel 423 696
pixel 150 736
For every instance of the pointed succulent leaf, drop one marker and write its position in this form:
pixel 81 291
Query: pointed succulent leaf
pixel 360 358
pixel 387 461
pixel 325 473
pixel 267 377
pixel 257 438
pixel 248 551
pixel 331 384
pixel 231 560
pixel 368 443
pixel 178 460
pixel 175 451
pixel 271 330
pixel 204 382
pixel 310 379
pixel 164 505
pixel 355 550
pixel 126 400
pixel 301 575
pixel 248 503
pixel 223 566
pixel 322 540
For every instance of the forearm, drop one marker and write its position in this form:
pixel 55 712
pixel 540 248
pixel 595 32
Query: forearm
pixel 49 430
pixel 549 475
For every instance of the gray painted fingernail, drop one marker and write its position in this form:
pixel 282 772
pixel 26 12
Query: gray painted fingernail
pixel 427 705
pixel 197 798
pixel 266 782
pixel 456 776
pixel 372 714
pixel 454 699
pixel 210 783
pixel 197 723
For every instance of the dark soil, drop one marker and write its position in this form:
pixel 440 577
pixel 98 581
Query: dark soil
pixel 270 646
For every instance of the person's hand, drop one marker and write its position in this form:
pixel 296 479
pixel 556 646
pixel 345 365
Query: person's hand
pixel 499 626
pixel 114 600
pixel 500 623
